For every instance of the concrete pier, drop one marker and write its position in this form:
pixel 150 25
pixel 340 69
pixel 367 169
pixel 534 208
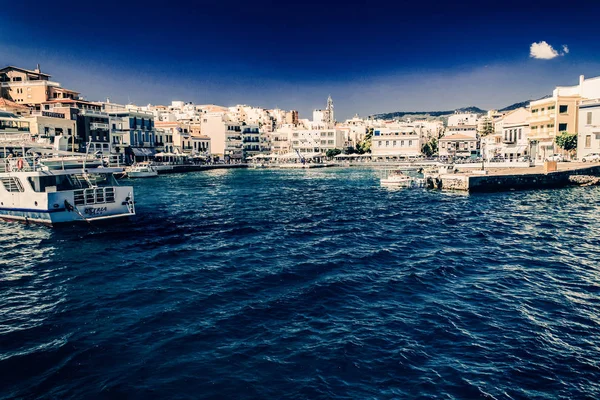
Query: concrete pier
pixel 521 179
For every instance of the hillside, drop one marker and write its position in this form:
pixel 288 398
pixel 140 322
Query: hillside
pixel 441 114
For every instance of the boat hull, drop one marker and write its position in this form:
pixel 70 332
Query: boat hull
pixel 55 219
pixel 149 174
pixel 81 205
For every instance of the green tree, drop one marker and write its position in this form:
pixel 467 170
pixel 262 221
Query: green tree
pixel 333 152
pixel 365 145
pixel 430 148
pixel 567 141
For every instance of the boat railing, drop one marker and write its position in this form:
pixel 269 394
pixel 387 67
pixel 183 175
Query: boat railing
pixel 99 195
pixel 18 164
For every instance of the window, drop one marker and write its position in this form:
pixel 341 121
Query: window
pixel 588 141
pixel 534 111
pixel 12 184
pixel 562 127
pixel 520 133
pixel 394 143
pixel 410 142
pixel 534 127
pixel 589 118
pixel 551 108
pixel 387 143
pixel 563 109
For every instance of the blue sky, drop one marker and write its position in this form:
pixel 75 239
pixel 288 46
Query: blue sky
pixel 371 57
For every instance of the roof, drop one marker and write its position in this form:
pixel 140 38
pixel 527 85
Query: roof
pixel 458 137
pixel 12 104
pixel 71 101
pixel 10 67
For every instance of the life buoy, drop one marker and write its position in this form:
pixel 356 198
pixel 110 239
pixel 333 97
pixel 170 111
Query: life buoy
pixel 20 164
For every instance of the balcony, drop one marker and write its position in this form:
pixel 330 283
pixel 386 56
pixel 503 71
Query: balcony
pixel 98 125
pixel 542 117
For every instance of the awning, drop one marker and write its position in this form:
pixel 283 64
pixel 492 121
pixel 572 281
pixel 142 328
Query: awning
pixel 515 150
pixel 142 152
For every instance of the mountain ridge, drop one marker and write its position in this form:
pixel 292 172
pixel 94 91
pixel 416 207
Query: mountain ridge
pixel 437 114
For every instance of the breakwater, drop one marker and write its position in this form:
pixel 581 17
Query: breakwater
pixel 503 182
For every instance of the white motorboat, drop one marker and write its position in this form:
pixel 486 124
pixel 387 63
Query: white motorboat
pixel 399 179
pixel 32 192
pixel 142 170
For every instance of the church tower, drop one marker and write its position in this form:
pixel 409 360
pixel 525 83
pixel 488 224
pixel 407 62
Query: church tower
pixel 329 117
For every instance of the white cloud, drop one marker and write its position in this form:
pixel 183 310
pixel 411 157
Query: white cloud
pixel 544 51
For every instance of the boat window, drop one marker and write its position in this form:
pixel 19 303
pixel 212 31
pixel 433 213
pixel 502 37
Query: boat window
pixel 43 183
pixel 12 184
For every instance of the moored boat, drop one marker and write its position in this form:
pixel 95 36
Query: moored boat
pixel 142 170
pixel 399 179
pixel 32 192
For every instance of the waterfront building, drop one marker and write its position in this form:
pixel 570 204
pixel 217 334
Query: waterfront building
pixel 132 132
pixel 588 138
pixel 164 139
pixel 459 145
pixel 51 128
pixel 315 140
pixel 396 142
pixel 92 124
pixel 279 142
pixel 31 87
pixel 559 113
pixel 251 139
pixel 515 134
pixel 225 135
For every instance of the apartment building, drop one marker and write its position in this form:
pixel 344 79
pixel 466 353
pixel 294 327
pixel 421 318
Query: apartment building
pixel 559 113
pixel 31 87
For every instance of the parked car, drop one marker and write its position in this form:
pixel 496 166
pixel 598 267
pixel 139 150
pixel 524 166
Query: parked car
pixel 556 157
pixel 524 159
pixel 591 157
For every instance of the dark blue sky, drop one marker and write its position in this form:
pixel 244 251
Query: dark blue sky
pixel 371 57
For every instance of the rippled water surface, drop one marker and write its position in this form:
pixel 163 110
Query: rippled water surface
pixel 307 284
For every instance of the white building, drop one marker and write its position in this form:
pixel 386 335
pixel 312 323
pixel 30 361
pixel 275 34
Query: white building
pixel 396 142
pixel 588 138
pixel 316 140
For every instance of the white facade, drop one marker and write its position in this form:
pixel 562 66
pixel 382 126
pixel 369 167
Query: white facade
pixel 587 89
pixel 512 140
pixel 316 140
pixel 397 142
pixel 462 119
pixel 588 138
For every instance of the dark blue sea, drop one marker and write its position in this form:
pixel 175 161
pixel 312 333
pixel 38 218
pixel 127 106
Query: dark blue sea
pixel 320 284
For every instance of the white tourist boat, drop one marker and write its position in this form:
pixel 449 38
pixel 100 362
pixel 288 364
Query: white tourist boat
pixel 31 192
pixel 142 170
pixel 399 179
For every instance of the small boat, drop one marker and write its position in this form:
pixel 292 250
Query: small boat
pixel 399 179
pixel 142 170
